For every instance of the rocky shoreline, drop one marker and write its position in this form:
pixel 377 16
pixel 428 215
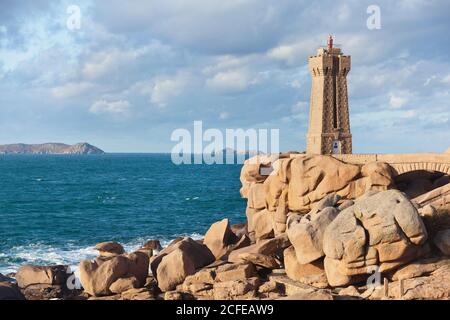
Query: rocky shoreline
pixel 316 229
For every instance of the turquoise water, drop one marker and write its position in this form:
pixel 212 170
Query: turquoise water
pixel 54 208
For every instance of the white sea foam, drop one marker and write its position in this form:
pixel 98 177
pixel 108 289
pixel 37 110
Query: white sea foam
pixel 71 255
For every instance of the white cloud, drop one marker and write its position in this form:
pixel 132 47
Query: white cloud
pixel 428 80
pixel 344 13
pixel 110 107
pixel 161 89
pixel 224 115
pixel 285 52
pixel 296 84
pixel 410 114
pixel 397 100
pixel 105 62
pixel 231 81
pixel 446 79
pixel 227 62
pixel 71 89
pixel 296 53
pixel 300 106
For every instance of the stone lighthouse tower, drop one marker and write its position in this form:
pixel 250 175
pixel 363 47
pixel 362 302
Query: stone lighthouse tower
pixel 329 124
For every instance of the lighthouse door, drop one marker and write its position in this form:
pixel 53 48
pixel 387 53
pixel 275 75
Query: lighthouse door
pixel 336 147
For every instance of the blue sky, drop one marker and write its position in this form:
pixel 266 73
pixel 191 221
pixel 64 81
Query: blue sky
pixel 135 72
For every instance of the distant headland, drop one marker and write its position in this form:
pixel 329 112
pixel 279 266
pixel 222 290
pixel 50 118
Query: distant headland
pixel 50 148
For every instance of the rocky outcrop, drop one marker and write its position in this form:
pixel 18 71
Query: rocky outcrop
pixel 109 249
pixel 438 198
pixel 317 228
pixel 99 275
pixel 51 275
pixel 436 285
pixel 383 230
pixel 179 260
pixel 219 238
pixel 269 247
pixel 306 232
pixel 312 274
pixel 50 148
pixel 153 245
pixel 298 182
pixel 442 241
pixel 10 291
pixel 173 269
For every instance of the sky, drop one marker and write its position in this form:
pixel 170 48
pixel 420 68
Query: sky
pixel 133 72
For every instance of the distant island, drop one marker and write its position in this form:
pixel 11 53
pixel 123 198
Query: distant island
pixel 50 148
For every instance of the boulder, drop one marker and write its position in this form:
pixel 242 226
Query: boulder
pixel 173 269
pixel 48 275
pixel 383 229
pixel 330 200
pixel 146 251
pixel 306 233
pixel 138 263
pixel 109 248
pixel 231 272
pixel 236 289
pixel 263 225
pixel 429 287
pixel 299 181
pixel 10 291
pixel 261 260
pixel 198 253
pixel 281 214
pixel 96 279
pixel 442 241
pixel 4 278
pixel 251 172
pixel 439 198
pixel 239 229
pixel 219 237
pixel 309 295
pixel 274 187
pixel 334 277
pixel 350 291
pixel 200 283
pixel 173 295
pixel 48 292
pixel 257 196
pixel 153 245
pixel 124 284
pixel 295 290
pixel 202 276
pixel 312 274
pixel 137 294
pixel 244 241
pixel 345 204
pixel 315 176
pixel 419 268
pixel 268 247
pixel 269 290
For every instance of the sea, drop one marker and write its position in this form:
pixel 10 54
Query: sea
pixel 55 208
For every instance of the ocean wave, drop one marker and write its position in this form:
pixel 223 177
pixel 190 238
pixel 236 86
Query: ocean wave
pixel 71 255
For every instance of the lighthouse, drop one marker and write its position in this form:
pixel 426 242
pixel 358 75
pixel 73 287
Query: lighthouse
pixel 329 123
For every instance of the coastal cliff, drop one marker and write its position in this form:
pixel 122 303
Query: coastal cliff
pixel 50 148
